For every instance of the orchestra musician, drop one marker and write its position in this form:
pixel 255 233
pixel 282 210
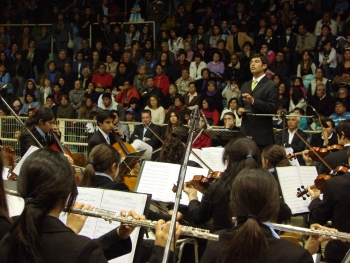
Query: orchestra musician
pixel 319 139
pixel 47 185
pixel 105 133
pixel 259 95
pixel 254 203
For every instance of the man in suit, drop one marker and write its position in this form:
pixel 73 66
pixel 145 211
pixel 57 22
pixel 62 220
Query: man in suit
pixel 142 138
pixel 120 129
pixel 290 139
pixel 105 132
pixel 260 96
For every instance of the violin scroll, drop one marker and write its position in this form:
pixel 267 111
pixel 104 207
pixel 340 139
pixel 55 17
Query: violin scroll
pixel 302 191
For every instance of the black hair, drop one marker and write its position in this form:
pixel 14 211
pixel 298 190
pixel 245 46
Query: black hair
pixel 103 115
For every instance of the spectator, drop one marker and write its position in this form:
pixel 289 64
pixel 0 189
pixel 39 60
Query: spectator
pixel 165 49
pixel 87 20
pixel 181 64
pixel 179 107
pixel 157 111
pixel 161 80
pixel 196 66
pixel 319 78
pixel 326 34
pixel 45 91
pixel 53 74
pixel 5 79
pixel 182 17
pixel 154 13
pixel 287 44
pixel 140 79
pixel 200 36
pixel 102 79
pixel 326 20
pixel 163 60
pixel 237 37
pixel 131 34
pixel 267 52
pixel 283 99
pixel 62 59
pixel 111 65
pixel 343 96
pixel 24 38
pixel 65 109
pixel 297 95
pixel 60 30
pixel 126 94
pixel 169 99
pixel 86 108
pixel 79 64
pixel 19 73
pixel 231 91
pixel 30 102
pixel 188 50
pixel 130 65
pixel 192 98
pixel 343 71
pixel 56 94
pixel 121 77
pixel 305 41
pixel 280 66
pixel 183 82
pixel 149 90
pixel 76 95
pixel 148 62
pixel 216 67
pixel 85 78
pixel 209 111
pixel 75 25
pixel 340 113
pixel 134 51
pixel 69 78
pixel 215 96
pixel 95 62
pixel 323 103
pixel 175 42
pixel 327 59
pixel 306 66
pixel 86 50
pixel 92 93
pixel 117 36
pixel 30 87
pixel 109 104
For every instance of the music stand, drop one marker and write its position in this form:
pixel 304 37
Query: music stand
pixel 223 134
pixel 130 161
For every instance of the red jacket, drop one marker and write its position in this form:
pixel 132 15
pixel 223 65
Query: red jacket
pixel 121 96
pixel 162 82
pixel 201 142
pixel 106 80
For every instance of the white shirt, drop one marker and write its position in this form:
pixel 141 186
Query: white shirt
pixel 291 136
pixel 105 136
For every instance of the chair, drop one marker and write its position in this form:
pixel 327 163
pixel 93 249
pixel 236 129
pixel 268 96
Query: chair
pixel 182 242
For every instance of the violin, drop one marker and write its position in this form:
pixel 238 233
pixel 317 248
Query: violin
pixel 8 152
pixel 201 182
pixel 320 181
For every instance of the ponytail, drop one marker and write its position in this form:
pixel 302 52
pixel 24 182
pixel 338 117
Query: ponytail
pixel 89 177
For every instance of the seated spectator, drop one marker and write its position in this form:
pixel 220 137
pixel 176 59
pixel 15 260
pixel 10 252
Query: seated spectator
pixel 200 48
pixel 163 60
pixel 95 62
pixel 321 101
pixel 60 30
pixel 342 77
pixel 267 52
pixel 216 36
pixel 270 39
pixel 140 79
pixel 92 93
pixel 297 95
pixel 111 65
pixel 45 91
pixel 237 37
pixel 69 78
pixel 174 121
pixel 327 59
pixel 215 95
pixel 149 62
pixel 286 14
pixel 179 65
pixel 132 34
pixel 125 95
pixel 280 66
pixel 179 107
pixel 157 111
pixel 303 125
pixel 340 113
pixel 175 42
pixel 275 25
pixel 168 99
pixel 183 82
pixel 283 97
pixel 326 20
pixel 79 64
pixel 209 111
pixel 5 79
pixel 327 137
pixel 230 121
pixel 287 44
pixel 326 34
pixel 30 87
pixel 86 49
pixel 305 42
pixel 170 55
pixel 149 90
pixel 232 106
pixel 102 79
pixel 117 35
pixel 65 110
pixel 85 78
pixel 34 61
pixel 192 98
pixel 231 91
pixel 30 102
pixel 56 93
pixel 121 77
pixel 108 103
pixel 19 73
pixel 216 67
pixel 203 140
pixel 225 54
pixel 76 95
pixel 188 50
pixel 131 67
pixel 197 66
pixel 319 78
pixel 62 59
pixel 51 105
pixel 182 17
pixel 86 108
pixel 202 83
pixel 343 96
pixel 306 66
pixel 135 106
pixel 161 80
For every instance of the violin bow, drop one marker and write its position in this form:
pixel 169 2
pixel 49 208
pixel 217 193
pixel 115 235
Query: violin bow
pixel 195 155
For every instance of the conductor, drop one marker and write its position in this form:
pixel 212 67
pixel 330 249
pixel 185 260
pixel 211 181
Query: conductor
pixel 258 96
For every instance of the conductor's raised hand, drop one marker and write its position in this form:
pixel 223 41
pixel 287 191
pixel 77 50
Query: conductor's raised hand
pixel 162 231
pixel 124 230
pixel 75 221
pixel 247 98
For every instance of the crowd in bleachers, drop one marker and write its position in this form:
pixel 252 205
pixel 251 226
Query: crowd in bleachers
pixel 203 60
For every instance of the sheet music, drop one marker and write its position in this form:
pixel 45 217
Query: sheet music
pixel 212 156
pixel 19 165
pixel 158 179
pixel 15 205
pixel 291 178
pixel 5 173
pixel 115 201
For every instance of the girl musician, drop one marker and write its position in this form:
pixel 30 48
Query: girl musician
pixel 254 202
pixel 47 185
pixel 237 154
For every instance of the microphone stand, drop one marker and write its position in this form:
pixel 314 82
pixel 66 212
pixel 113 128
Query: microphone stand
pixel 283 115
pixel 180 185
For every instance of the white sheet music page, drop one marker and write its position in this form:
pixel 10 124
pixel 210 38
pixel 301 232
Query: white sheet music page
pixel 212 156
pixel 158 179
pixel 291 178
pixel 19 165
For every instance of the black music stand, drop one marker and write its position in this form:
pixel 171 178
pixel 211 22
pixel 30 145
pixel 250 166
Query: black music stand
pixel 129 162
pixel 223 134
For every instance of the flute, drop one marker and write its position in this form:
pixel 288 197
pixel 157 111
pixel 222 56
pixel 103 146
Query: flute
pixel 306 231
pixel 129 220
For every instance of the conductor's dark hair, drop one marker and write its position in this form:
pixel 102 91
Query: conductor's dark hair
pixel 101 158
pixel 263 58
pixel 102 115
pixel 254 199
pixel 46 181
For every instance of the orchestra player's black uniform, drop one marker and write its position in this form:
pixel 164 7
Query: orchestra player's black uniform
pixel 335 207
pixel 27 140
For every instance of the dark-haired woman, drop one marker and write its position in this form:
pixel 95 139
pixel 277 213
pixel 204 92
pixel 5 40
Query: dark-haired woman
pixel 254 202
pixel 65 110
pixel 47 185
pixel 215 202
pixel 30 101
pixel 174 121
pixel 209 111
